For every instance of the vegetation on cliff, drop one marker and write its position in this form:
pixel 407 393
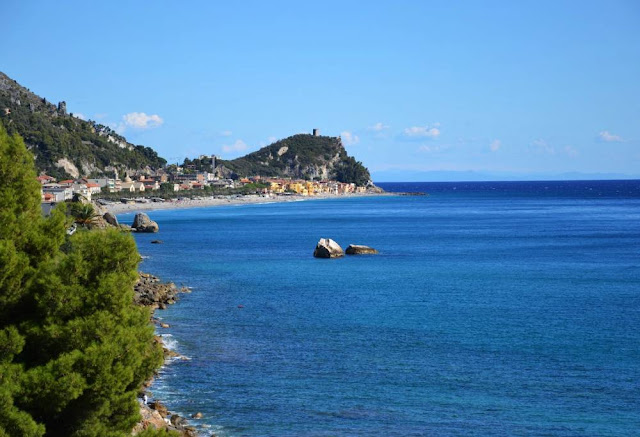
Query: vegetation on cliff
pixel 63 144
pixel 74 349
pixel 302 156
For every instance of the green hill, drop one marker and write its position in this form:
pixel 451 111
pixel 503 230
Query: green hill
pixel 63 145
pixel 303 157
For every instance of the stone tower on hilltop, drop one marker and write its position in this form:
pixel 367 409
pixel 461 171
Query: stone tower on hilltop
pixel 62 108
pixel 316 132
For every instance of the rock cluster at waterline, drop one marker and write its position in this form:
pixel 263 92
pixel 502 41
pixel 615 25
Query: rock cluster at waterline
pixel 327 248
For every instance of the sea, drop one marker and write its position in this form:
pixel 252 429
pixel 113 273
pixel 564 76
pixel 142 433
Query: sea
pixel 492 309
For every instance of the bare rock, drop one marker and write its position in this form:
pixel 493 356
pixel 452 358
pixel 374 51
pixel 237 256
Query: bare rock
pixel 111 219
pixel 327 248
pixel 178 421
pixel 357 249
pixel 142 223
pixel 159 407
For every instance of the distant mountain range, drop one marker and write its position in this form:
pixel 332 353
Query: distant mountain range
pixel 470 176
pixel 65 146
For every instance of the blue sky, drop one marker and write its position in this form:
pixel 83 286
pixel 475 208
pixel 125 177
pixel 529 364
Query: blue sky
pixel 507 90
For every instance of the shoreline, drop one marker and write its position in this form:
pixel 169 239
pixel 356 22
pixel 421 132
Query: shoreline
pixel 122 208
pixel 155 294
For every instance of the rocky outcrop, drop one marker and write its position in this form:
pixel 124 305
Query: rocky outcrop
pixel 142 223
pixel 357 249
pixel 155 415
pixel 327 248
pixel 150 291
pixel 111 219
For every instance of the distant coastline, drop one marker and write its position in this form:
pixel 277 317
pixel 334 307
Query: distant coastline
pixel 122 208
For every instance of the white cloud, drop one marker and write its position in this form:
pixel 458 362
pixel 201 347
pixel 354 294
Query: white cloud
pixel 238 146
pixel 378 127
pixel 495 145
pixel 140 120
pixel 423 131
pixel 571 151
pixel 432 149
pixel 349 139
pixel 226 133
pixel 79 115
pixel 541 146
pixel 608 137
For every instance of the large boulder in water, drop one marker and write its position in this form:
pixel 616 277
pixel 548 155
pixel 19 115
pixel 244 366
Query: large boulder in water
pixel 111 219
pixel 142 223
pixel 357 249
pixel 327 248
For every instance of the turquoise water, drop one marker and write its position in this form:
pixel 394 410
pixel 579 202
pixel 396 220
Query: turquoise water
pixel 492 309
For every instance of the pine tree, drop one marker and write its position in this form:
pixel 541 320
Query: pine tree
pixel 74 349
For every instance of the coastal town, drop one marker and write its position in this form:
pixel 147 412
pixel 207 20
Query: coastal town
pixel 166 182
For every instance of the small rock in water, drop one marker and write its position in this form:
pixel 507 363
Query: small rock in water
pixel 164 325
pixel 357 249
pixel 157 241
pixel 327 248
pixel 198 415
pixel 142 223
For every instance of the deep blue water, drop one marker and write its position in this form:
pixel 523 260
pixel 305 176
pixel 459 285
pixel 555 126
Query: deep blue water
pixel 492 309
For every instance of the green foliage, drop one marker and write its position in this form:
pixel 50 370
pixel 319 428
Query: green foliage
pixel 53 136
pixel 197 164
pixel 83 214
pixel 352 171
pixel 74 349
pixel 253 187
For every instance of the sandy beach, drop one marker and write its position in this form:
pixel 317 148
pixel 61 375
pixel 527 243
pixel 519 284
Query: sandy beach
pixel 120 208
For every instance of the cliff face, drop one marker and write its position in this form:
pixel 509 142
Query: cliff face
pixel 63 145
pixel 301 157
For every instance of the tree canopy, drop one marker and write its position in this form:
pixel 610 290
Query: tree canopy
pixel 74 349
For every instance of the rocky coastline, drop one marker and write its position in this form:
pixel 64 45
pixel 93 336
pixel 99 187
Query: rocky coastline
pixel 152 293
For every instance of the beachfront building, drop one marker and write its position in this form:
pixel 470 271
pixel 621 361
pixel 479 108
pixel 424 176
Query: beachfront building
pixel 56 193
pixel 109 183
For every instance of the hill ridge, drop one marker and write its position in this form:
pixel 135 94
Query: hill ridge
pixel 302 156
pixel 64 145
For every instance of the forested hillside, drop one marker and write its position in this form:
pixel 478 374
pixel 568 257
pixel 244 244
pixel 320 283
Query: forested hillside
pixel 63 145
pixel 302 156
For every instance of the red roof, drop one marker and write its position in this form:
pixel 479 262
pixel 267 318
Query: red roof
pixel 92 185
